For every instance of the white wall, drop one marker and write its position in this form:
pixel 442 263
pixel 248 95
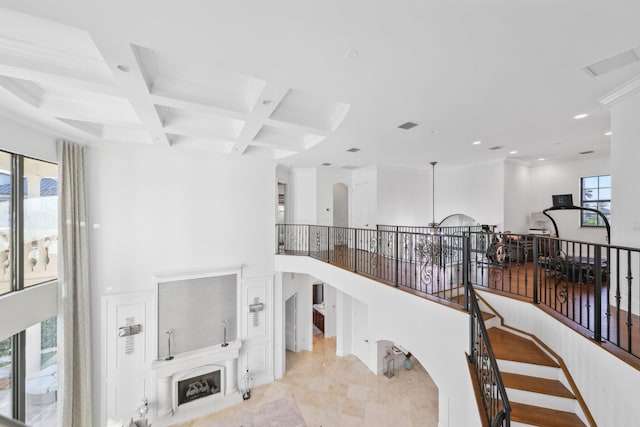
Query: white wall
pixel 404 196
pixel 302 284
pixel 395 316
pixel 20 139
pixel 303 202
pixel 517 183
pixel 625 174
pixel 607 384
pixel 343 324
pixel 159 209
pixel 330 311
pixel 474 190
pixel 564 178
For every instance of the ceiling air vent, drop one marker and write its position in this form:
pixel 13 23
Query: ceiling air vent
pixel 496 147
pixel 353 150
pixel 613 62
pixel 349 167
pixel 408 125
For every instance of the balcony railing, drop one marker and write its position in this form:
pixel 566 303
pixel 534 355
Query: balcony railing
pixel 493 394
pixel 430 265
pixel 592 287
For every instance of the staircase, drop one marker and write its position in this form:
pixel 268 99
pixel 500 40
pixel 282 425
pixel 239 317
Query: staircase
pixel 537 382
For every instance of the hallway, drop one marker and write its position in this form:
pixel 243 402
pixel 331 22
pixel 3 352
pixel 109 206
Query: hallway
pixel 341 391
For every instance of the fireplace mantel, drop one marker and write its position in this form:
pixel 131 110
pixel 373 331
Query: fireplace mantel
pixel 165 371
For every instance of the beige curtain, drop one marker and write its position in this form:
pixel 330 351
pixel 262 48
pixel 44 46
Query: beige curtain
pixel 74 340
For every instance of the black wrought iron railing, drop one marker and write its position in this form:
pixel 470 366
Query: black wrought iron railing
pixel 595 287
pixel 427 264
pixel 493 394
pixel 425 229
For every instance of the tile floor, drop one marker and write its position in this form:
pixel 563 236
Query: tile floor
pixel 341 391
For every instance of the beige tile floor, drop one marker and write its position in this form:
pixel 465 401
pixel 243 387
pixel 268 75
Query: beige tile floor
pixel 341 391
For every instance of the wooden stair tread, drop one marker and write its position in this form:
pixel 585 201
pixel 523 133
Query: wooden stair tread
pixel 508 346
pixel 486 316
pixel 539 416
pixel 536 385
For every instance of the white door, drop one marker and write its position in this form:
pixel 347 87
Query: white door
pixel 360 330
pixel 361 200
pixel 290 323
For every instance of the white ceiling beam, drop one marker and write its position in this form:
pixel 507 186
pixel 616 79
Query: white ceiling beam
pixel 268 101
pixel 131 81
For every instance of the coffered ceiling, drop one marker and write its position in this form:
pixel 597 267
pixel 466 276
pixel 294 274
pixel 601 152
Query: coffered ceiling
pixel 302 82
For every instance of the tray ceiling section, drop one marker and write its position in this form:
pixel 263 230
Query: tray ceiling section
pixel 55 75
pixel 212 108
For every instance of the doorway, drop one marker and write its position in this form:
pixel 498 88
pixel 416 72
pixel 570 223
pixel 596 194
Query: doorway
pixel 281 213
pixel 290 320
pixel 340 205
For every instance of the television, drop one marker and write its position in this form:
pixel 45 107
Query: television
pixel 562 200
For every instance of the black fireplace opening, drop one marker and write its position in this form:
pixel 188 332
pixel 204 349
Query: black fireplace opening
pixel 194 388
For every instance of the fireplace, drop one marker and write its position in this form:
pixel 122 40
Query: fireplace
pixel 195 383
pixel 197 387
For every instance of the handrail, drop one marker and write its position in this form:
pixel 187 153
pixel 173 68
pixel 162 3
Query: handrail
pixel 589 286
pixel 493 392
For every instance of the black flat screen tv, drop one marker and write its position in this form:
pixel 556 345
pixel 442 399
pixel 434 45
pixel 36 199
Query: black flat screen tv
pixel 562 200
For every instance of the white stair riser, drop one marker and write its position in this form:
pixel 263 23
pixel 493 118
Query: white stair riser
pixel 529 369
pixel 544 400
pixel 494 322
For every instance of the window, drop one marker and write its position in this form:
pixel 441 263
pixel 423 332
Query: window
pixel 28 257
pixel 36 203
pixel 41 364
pixel 595 193
pixel 40 227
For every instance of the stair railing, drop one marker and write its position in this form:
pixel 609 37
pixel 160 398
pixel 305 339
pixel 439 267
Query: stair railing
pixel 493 395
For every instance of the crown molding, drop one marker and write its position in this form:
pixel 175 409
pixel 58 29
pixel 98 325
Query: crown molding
pixel 629 88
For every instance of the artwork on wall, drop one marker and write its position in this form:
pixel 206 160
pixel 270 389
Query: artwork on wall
pixel 197 310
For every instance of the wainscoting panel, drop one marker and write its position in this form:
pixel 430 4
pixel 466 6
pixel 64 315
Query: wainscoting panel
pixel 257 329
pixel 124 397
pixel 129 331
pixel 257 357
pixel 129 336
pixel 257 307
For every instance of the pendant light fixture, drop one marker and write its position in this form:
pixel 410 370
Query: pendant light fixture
pixel 433 195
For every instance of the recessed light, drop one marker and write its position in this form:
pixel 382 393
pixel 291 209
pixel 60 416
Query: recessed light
pixel 580 116
pixel 586 152
pixel 267 102
pixel 353 150
pixel 477 142
pixel 541 159
pixel 434 132
pixel 608 133
pixel 123 68
pixel 495 147
pixel 326 164
pixel 513 152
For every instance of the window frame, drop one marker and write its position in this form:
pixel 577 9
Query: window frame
pixel 17 279
pixel 597 201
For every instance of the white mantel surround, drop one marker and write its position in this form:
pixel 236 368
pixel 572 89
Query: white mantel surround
pixel 165 372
